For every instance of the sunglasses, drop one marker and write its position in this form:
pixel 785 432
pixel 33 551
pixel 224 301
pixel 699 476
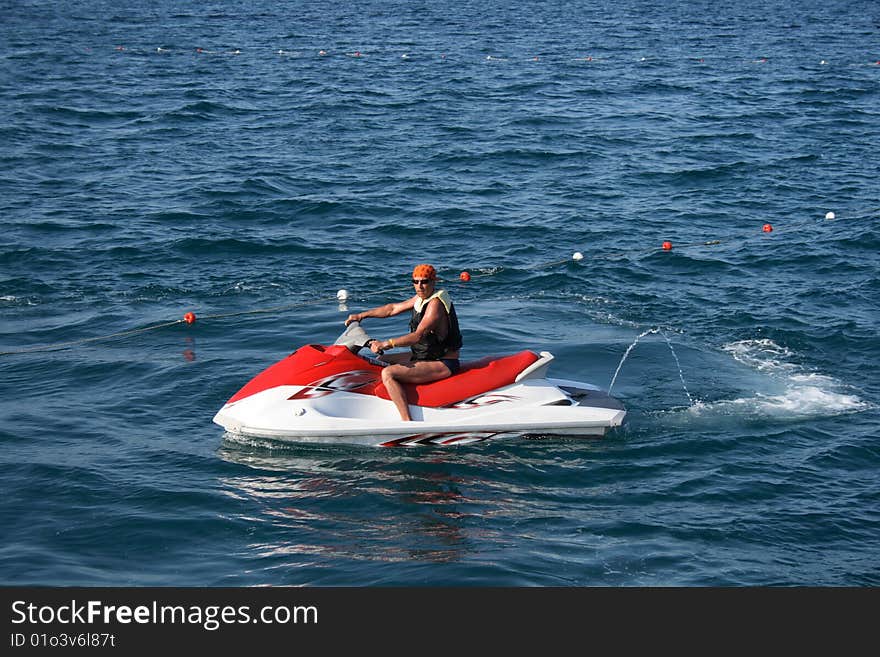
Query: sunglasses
pixel 422 281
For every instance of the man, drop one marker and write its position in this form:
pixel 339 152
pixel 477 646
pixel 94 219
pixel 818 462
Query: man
pixel 434 338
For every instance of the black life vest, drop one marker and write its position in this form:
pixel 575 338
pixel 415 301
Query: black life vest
pixel 431 347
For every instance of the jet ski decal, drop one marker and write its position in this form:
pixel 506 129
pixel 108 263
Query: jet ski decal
pixel 439 439
pixel 345 382
pixel 485 400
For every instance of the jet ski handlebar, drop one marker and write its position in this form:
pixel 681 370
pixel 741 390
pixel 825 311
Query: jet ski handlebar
pixel 356 338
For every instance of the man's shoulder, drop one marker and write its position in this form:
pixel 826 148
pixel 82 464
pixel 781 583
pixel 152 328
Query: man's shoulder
pixel 443 297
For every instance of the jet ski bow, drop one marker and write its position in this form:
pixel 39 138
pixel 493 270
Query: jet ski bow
pixel 330 394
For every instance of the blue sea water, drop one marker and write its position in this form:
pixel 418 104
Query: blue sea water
pixel 164 157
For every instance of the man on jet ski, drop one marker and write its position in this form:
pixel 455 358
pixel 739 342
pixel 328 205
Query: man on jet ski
pixel 434 338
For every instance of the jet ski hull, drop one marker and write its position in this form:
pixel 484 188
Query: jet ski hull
pixel 276 416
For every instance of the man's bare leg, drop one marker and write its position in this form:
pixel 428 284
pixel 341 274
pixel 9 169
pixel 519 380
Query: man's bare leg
pixel 423 371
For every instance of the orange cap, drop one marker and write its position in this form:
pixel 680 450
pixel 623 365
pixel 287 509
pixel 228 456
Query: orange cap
pixel 425 271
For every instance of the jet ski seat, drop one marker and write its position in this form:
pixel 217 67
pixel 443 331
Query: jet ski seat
pixel 474 378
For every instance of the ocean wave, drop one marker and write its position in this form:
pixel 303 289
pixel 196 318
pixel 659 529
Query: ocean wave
pixel 140 185
pixel 13 300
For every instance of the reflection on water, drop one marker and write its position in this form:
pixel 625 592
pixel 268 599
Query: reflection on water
pixel 189 353
pixel 326 515
pixel 357 503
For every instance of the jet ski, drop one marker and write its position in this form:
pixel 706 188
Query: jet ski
pixel 335 394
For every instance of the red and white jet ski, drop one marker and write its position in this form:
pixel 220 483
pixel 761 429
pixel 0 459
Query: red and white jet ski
pixel 330 394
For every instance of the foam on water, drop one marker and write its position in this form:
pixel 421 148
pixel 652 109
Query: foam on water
pixel 791 392
pixel 763 355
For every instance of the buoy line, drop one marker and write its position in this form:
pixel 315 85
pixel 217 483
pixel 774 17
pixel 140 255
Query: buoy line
pixel 343 295
pixel 188 318
pixel 72 343
pixel 668 245
pixel 382 51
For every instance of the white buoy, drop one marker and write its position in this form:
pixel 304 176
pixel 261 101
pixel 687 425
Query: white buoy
pixel 829 215
pixel 342 295
pixel 577 256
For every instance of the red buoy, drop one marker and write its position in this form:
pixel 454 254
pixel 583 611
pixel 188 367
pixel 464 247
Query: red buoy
pixel 464 276
pixel 767 228
pixel 667 246
pixel 189 318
